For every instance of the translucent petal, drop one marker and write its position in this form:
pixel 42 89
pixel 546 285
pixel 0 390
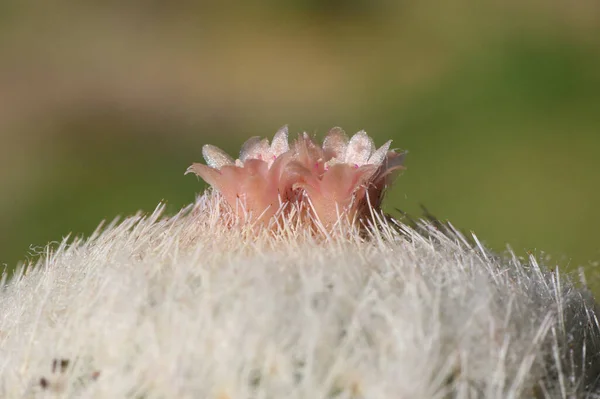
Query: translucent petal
pixel 359 149
pixel 335 143
pixel 379 155
pixel 395 160
pixel 216 157
pixel 255 148
pixel 280 142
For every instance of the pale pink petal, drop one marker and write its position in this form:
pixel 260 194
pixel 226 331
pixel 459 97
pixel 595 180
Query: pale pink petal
pixel 255 148
pixel 393 161
pixel 385 175
pixel 338 192
pixel 248 187
pixel 300 175
pixel 379 155
pixel 338 182
pixel 229 183
pixel 278 167
pixel 341 180
pixel 255 189
pixel 335 144
pixel 359 149
pixel 279 176
pixel 256 167
pixel 280 142
pixel 216 157
pixel 331 162
pixel 210 175
pixel 309 154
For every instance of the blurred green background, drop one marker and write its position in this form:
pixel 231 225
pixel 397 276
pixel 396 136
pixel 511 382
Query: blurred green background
pixel 104 104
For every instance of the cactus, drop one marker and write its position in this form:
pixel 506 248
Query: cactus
pixel 216 303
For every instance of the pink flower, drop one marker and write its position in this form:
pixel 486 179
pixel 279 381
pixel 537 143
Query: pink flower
pixel 343 177
pixel 253 183
pixel 349 176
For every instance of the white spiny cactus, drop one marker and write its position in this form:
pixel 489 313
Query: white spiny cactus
pixel 205 305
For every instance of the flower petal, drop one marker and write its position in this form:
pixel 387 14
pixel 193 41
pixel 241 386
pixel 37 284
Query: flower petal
pixel 309 154
pixel 255 190
pixel 335 144
pixel 300 175
pixel 255 148
pixel 387 172
pixel 342 180
pixel 208 174
pixel 379 155
pixel 394 161
pixel 216 157
pixel 280 142
pixel 279 176
pixel 359 149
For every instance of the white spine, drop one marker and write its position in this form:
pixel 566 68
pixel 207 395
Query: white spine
pixel 192 307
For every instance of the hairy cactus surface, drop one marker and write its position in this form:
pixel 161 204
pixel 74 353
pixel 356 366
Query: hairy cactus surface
pixel 216 303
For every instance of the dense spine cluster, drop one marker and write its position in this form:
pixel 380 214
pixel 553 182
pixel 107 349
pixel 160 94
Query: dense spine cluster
pixel 187 307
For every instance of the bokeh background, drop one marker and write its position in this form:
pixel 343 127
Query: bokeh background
pixel 104 104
